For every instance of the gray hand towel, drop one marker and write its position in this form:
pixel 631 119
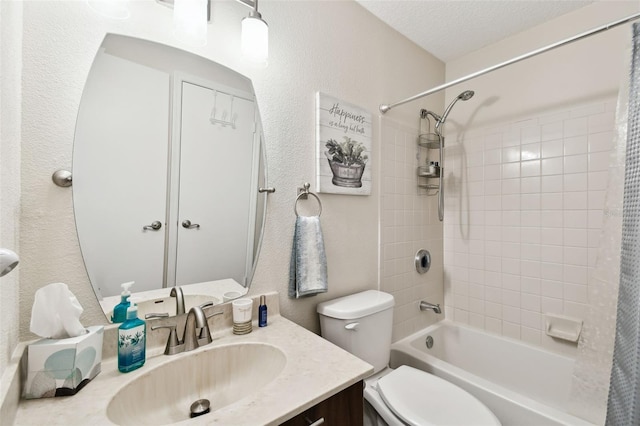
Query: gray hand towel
pixel 308 269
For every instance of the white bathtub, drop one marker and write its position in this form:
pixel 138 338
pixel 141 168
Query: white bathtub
pixel 521 384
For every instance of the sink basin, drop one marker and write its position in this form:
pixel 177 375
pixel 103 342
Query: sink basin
pixel 222 375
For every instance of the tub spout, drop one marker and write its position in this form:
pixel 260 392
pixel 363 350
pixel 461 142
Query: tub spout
pixel 425 306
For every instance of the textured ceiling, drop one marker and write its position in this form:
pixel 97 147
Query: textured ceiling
pixel 450 29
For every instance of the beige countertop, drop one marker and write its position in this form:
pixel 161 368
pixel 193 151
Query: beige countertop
pixel 315 370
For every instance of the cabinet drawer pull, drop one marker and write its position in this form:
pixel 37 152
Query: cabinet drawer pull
pixel 318 422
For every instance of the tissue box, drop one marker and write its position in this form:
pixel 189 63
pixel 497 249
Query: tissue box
pixel 61 367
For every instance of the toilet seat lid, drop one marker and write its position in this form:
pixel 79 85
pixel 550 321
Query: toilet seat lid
pixel 420 398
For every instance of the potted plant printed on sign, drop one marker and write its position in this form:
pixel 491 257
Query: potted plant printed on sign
pixel 347 160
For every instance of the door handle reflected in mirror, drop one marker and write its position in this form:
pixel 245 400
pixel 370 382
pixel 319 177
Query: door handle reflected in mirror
pixel 188 225
pixel 153 227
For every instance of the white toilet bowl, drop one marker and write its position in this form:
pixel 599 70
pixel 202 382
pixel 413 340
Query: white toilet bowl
pixel 408 396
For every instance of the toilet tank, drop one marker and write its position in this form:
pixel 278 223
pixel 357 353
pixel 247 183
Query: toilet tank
pixel 360 323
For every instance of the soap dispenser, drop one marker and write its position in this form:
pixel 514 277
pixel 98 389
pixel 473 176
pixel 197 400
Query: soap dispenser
pixel 120 310
pixel 132 336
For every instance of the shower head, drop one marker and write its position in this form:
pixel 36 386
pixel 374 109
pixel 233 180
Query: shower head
pixel 465 96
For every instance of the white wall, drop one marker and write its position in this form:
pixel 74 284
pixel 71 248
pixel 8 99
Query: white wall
pixel 334 47
pixel 10 72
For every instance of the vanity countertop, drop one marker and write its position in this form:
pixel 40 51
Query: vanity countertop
pixel 315 370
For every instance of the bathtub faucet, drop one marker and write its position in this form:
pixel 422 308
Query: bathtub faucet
pixel 425 306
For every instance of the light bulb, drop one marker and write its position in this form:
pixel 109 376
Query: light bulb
pixel 255 39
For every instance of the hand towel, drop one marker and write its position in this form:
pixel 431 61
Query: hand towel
pixel 308 269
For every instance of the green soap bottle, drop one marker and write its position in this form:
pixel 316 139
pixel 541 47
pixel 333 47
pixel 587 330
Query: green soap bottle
pixel 132 342
pixel 120 310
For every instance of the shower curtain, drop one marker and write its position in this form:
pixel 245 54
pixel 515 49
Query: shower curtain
pixel 623 406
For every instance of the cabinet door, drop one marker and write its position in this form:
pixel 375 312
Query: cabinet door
pixel 214 188
pixel 345 408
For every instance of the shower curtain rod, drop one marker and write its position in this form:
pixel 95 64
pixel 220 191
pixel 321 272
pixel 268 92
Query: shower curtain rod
pixel 386 107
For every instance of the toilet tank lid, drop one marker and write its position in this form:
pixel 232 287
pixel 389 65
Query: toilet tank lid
pixel 356 305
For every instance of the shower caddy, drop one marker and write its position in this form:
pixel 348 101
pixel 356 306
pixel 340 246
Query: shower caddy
pixel 428 167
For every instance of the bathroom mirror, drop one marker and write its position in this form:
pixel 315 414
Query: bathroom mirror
pixel 168 159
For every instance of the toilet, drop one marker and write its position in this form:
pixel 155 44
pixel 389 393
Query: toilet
pixel 361 324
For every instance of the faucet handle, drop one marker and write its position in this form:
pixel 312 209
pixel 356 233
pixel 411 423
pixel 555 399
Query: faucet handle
pixel 204 337
pixel 173 344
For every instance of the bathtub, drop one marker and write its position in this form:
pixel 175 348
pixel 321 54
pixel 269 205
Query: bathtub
pixel 521 384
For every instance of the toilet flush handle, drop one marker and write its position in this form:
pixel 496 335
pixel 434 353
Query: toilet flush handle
pixel 353 326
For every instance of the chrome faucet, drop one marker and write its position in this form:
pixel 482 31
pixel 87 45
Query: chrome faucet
pixel 177 293
pixel 426 306
pixel 191 338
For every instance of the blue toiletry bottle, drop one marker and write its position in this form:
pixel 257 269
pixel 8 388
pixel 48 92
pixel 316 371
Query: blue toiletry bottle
pixel 262 312
pixel 120 310
pixel 132 342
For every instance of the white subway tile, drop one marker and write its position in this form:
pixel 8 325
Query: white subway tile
pixel 493 325
pixel 530 302
pixel 575 200
pixel 511 202
pixel 551 271
pixel 530 336
pixel 530 201
pixel 511 186
pixel 511 218
pixel 530 218
pixel 530 285
pixel 530 168
pixel 511 314
pixel 511 298
pixel 476 320
pixel 493 248
pixel 510 266
pixel 551 131
pixel 511 234
pixel 575 218
pixel 575 237
pixel 530 134
pixel 511 170
pixel 530 251
pixel 493 156
pixel 575 274
pixel 530 268
pixel 530 235
pixel 511 154
pixel 575 127
pixel 493 172
pixel 511 330
pixel 551 201
pixel 552 166
pixel 597 200
pixel 576 145
pixel 476 291
pixel 576 182
pixel 551 183
pixel 576 163
pixel 551 305
pixel 492 263
pixel 530 151
pixel 511 282
pixel 552 148
pixel 551 253
pixel 493 294
pixel 595 219
pixel 492 187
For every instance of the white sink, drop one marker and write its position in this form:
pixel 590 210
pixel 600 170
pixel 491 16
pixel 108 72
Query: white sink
pixel 222 375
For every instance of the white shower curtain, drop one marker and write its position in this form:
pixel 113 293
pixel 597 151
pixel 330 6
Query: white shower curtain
pixel 590 385
pixel 624 393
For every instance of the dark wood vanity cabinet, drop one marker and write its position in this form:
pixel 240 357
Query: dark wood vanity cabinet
pixel 342 409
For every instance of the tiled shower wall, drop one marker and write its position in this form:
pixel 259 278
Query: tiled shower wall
pixel 524 205
pixel 409 222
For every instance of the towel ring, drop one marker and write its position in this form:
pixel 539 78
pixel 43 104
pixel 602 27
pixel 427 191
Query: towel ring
pixel 304 192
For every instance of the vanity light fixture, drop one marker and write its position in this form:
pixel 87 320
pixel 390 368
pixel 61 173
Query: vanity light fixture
pixel 190 25
pixel 255 36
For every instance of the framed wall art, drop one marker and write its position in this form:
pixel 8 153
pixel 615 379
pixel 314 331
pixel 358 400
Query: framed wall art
pixel 343 147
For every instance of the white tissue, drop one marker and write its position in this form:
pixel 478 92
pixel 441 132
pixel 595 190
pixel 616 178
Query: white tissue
pixel 56 313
